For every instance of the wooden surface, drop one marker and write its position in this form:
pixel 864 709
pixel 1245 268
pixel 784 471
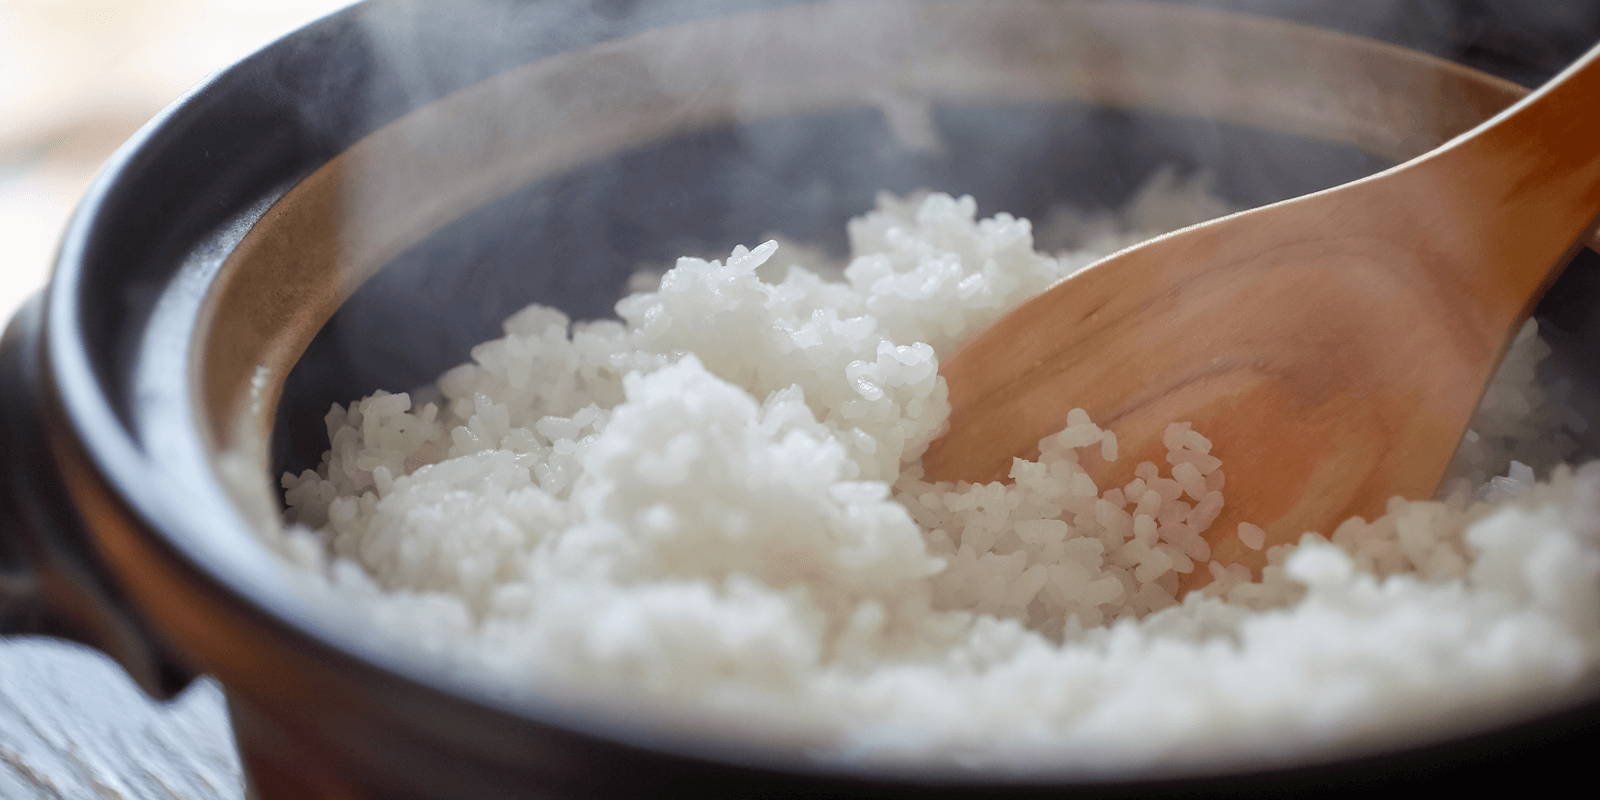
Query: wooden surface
pixel 72 726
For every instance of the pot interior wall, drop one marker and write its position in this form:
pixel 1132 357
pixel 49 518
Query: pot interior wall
pixel 572 241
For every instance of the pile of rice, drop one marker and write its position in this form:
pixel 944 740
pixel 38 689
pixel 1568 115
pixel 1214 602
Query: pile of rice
pixel 711 512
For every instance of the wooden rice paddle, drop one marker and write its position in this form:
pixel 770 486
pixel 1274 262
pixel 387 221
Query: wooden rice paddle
pixel 1333 346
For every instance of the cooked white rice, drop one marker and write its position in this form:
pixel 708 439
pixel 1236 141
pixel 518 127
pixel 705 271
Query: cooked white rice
pixel 712 510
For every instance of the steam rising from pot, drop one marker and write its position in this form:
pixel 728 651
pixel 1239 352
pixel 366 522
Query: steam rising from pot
pixel 639 144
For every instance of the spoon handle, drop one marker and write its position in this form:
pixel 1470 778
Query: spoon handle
pixel 1511 199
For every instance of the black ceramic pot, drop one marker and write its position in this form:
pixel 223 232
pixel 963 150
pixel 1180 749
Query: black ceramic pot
pixel 355 205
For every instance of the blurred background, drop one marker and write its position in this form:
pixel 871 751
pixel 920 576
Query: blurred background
pixel 77 77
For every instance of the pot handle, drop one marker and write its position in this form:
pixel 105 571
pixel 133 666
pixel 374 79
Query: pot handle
pixel 50 581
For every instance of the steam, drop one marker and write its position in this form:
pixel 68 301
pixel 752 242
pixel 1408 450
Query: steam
pixel 554 188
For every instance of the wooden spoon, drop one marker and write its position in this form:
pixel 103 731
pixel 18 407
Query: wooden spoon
pixel 1334 346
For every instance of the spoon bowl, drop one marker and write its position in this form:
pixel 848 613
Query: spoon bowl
pixel 1334 346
